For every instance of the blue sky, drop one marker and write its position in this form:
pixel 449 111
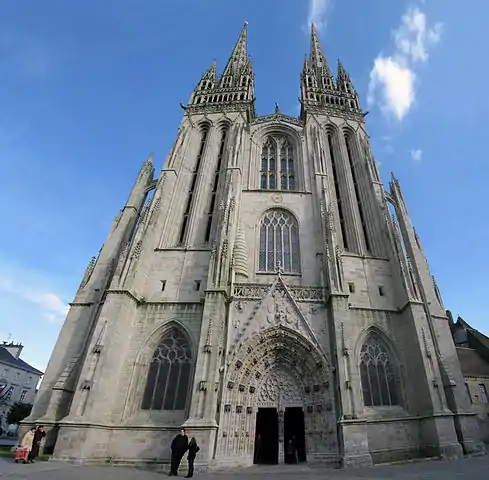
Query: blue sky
pixel 90 88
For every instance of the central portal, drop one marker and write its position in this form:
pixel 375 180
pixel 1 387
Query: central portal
pixel 275 438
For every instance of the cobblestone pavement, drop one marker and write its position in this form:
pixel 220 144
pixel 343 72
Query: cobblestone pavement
pixel 425 470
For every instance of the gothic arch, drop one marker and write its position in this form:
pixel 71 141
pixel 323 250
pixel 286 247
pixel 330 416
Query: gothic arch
pixel 142 363
pixel 373 342
pixel 224 125
pixel 203 125
pixel 295 139
pixel 276 368
pixel 290 244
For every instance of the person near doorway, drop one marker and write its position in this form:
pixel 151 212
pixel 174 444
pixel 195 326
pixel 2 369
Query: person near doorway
pixel 292 451
pixel 39 434
pixel 179 446
pixel 193 448
pixel 258 449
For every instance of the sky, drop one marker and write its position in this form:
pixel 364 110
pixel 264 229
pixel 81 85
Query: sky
pixel 88 89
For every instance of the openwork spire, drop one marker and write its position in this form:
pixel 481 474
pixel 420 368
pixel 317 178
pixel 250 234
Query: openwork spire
pixel 239 58
pixel 317 57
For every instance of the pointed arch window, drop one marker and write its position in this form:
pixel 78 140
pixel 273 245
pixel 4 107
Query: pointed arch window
pixel 380 384
pixel 277 175
pixel 167 384
pixel 279 242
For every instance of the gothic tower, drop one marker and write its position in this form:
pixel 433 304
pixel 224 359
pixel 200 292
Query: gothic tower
pixel 266 287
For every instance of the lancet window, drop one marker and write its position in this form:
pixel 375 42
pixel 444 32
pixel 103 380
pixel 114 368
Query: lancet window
pixel 169 373
pixel 279 242
pixel 380 384
pixel 190 198
pixel 277 174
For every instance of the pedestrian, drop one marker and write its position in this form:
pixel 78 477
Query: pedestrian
pixel 193 448
pixel 179 446
pixel 28 440
pixel 292 451
pixel 39 434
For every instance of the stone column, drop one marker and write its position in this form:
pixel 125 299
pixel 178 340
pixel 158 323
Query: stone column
pixel 352 432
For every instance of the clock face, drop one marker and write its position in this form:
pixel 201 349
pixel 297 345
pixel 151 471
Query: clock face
pixel 277 198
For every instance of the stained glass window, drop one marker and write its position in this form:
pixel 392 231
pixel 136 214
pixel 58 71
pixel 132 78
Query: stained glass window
pixel 169 372
pixel 379 382
pixel 277 175
pixel 279 242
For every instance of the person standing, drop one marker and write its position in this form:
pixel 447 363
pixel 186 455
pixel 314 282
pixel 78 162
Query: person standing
pixel 28 440
pixel 39 434
pixel 179 446
pixel 193 448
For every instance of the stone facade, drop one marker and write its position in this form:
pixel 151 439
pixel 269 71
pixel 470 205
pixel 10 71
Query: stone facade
pixel 265 273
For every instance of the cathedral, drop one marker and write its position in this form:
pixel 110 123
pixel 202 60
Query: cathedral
pixel 265 289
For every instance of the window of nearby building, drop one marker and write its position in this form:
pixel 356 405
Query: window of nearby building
pixel 5 372
pixel 468 392
pixel 279 242
pixel 379 382
pixel 29 380
pixel 9 393
pixel 169 373
pixel 22 396
pixel 482 389
pixel 17 376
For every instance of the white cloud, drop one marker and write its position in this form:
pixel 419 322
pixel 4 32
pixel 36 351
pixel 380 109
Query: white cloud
pixel 50 305
pixel 416 155
pixel 393 78
pixel 317 14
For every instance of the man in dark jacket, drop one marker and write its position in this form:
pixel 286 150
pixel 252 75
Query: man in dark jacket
pixel 178 448
pixel 39 434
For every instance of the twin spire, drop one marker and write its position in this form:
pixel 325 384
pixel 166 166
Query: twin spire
pixel 236 84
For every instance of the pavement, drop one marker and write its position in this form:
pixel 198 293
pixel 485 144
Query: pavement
pixel 426 470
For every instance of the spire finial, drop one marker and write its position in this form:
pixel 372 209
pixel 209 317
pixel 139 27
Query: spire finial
pixel 239 57
pixel 277 107
pixel 318 59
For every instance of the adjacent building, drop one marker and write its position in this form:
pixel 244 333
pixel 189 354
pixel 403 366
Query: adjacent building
pixel 473 354
pixel 18 379
pixel 265 287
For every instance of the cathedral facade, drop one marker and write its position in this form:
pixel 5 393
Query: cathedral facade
pixel 265 288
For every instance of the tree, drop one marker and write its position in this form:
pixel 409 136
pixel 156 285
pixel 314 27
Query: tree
pixel 18 412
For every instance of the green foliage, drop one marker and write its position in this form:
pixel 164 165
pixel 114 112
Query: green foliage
pixel 18 412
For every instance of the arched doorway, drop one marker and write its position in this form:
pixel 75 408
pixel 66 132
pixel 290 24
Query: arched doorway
pixel 277 389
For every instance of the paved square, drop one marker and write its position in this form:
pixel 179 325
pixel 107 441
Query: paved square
pixel 426 470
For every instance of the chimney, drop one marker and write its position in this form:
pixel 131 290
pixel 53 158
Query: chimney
pixel 15 349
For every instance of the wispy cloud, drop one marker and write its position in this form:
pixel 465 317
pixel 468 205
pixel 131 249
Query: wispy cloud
pixel 393 77
pixel 416 155
pixel 25 288
pixel 318 13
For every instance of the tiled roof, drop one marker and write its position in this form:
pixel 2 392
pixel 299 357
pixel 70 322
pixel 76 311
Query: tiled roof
pixel 7 358
pixel 472 364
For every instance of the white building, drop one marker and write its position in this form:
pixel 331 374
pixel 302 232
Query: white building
pixel 18 379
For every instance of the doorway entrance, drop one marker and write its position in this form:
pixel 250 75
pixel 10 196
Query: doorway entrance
pixel 266 437
pixel 294 435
